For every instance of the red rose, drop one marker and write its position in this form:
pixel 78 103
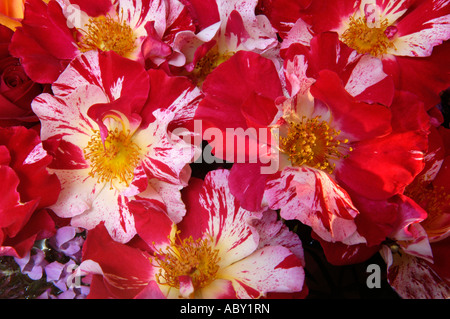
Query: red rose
pixel 16 89
pixel 27 189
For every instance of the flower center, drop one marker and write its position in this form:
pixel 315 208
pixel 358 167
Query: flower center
pixel 195 259
pixel 115 160
pixel 365 39
pixel 314 143
pixel 107 34
pixel 432 199
pixel 209 62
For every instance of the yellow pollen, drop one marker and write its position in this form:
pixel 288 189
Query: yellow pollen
pixel 189 257
pixel 365 39
pixel 108 34
pixel 209 62
pixel 114 161
pixel 314 143
pixel 393 246
pixel 431 198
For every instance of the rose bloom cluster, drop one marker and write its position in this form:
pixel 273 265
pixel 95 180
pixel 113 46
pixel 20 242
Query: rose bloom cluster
pixel 339 122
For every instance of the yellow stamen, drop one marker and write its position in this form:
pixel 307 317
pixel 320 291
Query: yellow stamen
pixel 188 257
pixel 115 160
pixel 108 34
pixel 209 62
pixel 365 39
pixel 314 143
pixel 432 199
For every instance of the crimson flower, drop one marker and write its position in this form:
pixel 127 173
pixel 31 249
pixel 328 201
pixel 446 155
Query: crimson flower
pixel 53 34
pixel 421 251
pixel 235 28
pixel 409 37
pixel 218 250
pixel 109 126
pixel 27 190
pixel 329 143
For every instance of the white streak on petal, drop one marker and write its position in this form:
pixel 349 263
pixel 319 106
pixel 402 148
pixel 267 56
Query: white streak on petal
pixel 67 116
pixel 116 89
pixel 368 72
pixel 78 191
pixel 260 271
pixel 170 195
pixel 112 209
pixel 312 197
pixel 413 278
pixel 300 33
pixel 422 43
pixel 84 70
pixel 37 154
pixel 227 224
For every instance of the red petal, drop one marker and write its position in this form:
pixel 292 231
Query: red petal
pixel 328 15
pixel 360 120
pixel 425 76
pixel 123 279
pixel 380 168
pixel 376 219
pixel 165 90
pixel 340 254
pixel 247 184
pixel 408 113
pixel 30 162
pixel 231 84
pixel 93 8
pixel 204 12
pixel 43 40
pixel 281 13
pixel 235 26
pixel 151 220
pixel 195 222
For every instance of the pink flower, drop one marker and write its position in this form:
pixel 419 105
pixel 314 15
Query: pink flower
pixel 282 13
pixel 410 258
pixel 411 233
pixel 379 215
pixel 237 28
pixel 52 35
pixel 218 250
pixel 419 250
pixel 408 36
pixel 378 27
pixel 109 126
pixel 27 190
pixel 362 75
pixel 431 188
pixel 329 144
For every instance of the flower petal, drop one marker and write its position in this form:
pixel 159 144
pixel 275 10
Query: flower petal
pixel 313 198
pixel 413 278
pixel 424 27
pixel 228 222
pixel 112 209
pixel 161 146
pixel 269 269
pixel 44 39
pixel 67 117
pixel 103 255
pixel 273 232
pixel 78 192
